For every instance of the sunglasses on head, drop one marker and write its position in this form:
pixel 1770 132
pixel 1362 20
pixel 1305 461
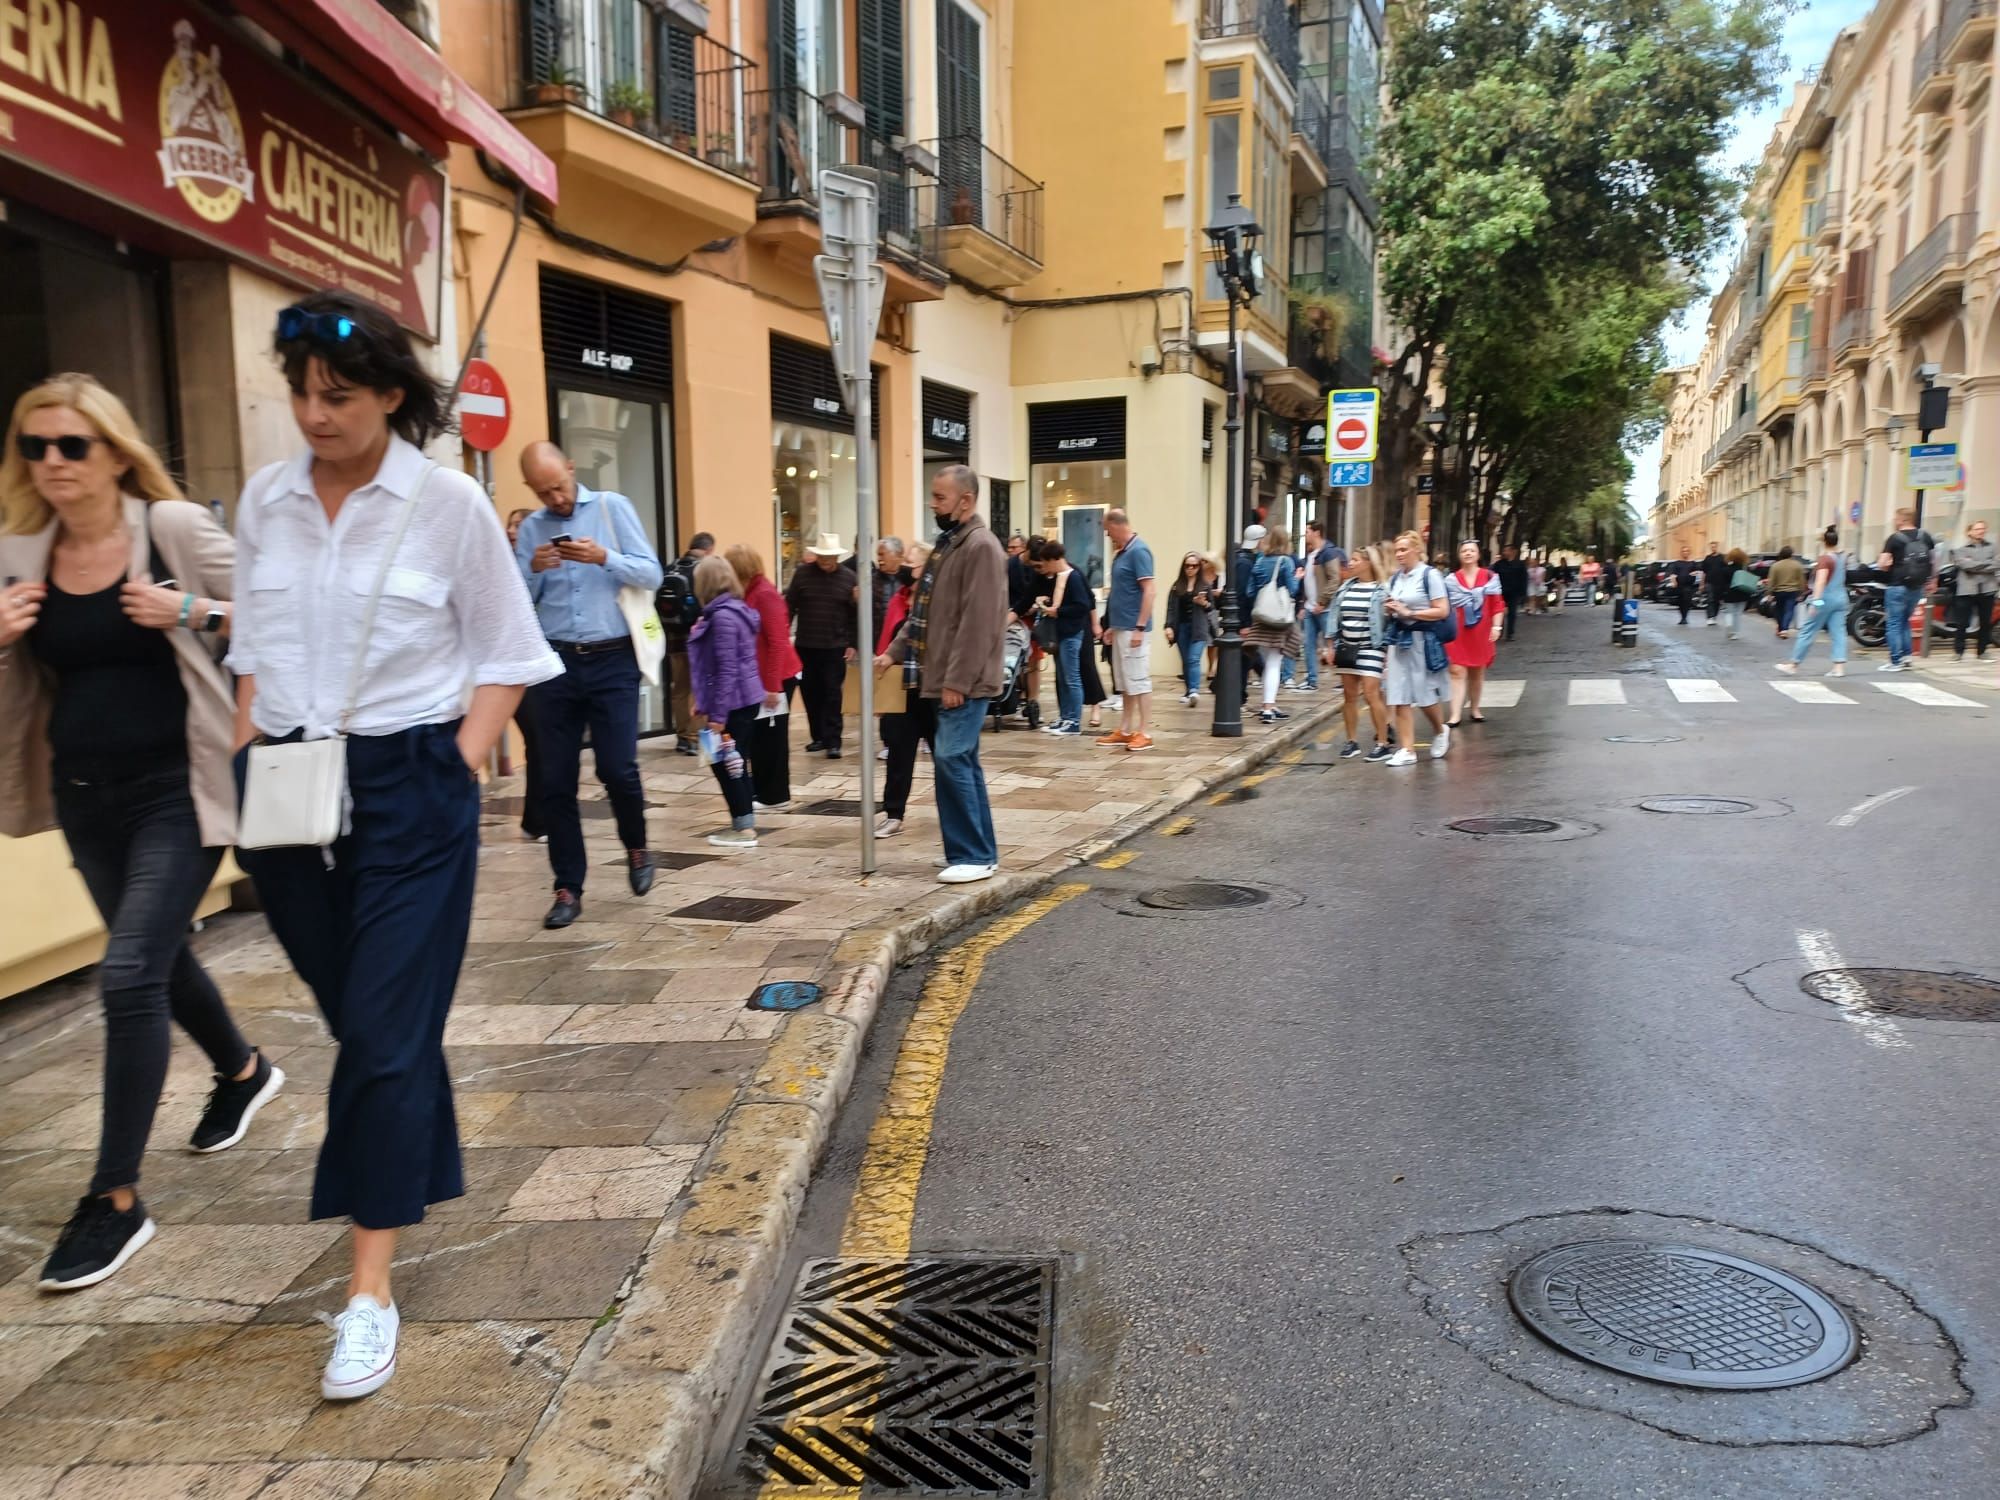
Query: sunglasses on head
pixel 74 446
pixel 301 322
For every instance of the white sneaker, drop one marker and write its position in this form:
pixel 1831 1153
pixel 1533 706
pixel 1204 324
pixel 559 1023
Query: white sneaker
pixel 1402 758
pixel 1890 666
pixel 364 1350
pixel 1790 669
pixel 1188 700
pixel 888 827
pixel 770 806
pixel 883 753
pixel 1440 744
pixel 1112 704
pixel 735 838
pixel 966 874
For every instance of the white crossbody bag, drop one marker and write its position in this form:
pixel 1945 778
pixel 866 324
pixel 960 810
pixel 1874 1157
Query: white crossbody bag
pixel 295 793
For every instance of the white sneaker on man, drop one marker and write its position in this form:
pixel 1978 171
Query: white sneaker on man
pixel 965 874
pixel 364 1349
pixel 1441 743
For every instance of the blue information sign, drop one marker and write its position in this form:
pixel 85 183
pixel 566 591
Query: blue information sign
pixel 1349 476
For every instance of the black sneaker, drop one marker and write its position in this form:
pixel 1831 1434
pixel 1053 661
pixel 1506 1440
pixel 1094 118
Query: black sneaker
pixel 1380 752
pixel 95 1242
pixel 232 1105
pixel 813 745
pixel 1349 750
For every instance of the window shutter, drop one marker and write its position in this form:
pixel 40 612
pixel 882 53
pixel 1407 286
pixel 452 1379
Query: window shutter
pixel 961 113
pixel 541 40
pixel 784 35
pixel 881 46
pixel 1066 431
pixel 673 91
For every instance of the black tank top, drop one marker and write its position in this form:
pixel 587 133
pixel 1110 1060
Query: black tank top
pixel 119 710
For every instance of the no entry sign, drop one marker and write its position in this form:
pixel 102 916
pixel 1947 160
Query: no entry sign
pixel 1351 421
pixel 483 410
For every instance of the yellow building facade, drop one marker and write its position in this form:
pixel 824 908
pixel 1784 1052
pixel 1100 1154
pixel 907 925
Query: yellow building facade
pixel 1871 268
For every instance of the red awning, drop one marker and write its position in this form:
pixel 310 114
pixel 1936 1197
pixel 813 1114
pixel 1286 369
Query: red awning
pixel 386 66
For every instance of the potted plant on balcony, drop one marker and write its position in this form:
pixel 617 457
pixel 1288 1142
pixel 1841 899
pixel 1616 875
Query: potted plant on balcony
pixel 557 85
pixel 719 146
pixel 1325 316
pixel 627 103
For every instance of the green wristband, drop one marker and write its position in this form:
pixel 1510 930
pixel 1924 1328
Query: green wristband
pixel 187 608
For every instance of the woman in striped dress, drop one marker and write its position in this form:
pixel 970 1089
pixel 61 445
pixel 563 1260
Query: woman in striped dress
pixel 1357 649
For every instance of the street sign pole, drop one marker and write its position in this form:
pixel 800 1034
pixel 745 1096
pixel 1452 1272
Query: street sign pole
pixel 850 288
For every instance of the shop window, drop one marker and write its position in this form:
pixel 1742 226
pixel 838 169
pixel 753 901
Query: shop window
pixel 815 457
pixel 1076 451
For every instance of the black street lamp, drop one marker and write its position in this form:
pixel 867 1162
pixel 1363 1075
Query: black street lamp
pixel 1433 425
pixel 1232 240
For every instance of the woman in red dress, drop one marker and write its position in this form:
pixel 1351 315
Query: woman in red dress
pixel 1482 615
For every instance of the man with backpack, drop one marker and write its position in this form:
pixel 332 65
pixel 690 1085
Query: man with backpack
pixel 678 610
pixel 1908 558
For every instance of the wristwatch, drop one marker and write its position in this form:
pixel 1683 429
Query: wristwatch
pixel 212 623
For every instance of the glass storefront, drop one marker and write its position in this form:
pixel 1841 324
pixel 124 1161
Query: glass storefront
pixel 813 473
pixel 947 433
pixel 1076 456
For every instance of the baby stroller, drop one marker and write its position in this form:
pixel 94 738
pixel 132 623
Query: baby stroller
pixel 1013 676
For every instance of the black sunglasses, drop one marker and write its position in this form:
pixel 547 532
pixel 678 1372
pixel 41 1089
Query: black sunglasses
pixel 73 446
pixel 299 322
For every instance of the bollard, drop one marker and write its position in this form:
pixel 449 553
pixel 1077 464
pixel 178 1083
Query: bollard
pixel 1628 622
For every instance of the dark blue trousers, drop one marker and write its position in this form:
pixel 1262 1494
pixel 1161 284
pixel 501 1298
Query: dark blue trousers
pixel 379 937
pixel 598 691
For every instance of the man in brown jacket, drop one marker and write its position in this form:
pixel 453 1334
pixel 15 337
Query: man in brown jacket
pixel 952 649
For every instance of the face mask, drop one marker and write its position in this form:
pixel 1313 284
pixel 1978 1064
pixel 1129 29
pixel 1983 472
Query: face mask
pixel 946 528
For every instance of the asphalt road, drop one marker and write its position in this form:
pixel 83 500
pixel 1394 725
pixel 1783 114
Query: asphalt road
pixel 1287 1156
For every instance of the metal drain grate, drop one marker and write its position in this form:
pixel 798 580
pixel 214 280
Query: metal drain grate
pixel 1642 739
pixel 908 1377
pixel 1914 994
pixel 1203 895
pixel 733 909
pixel 1698 806
pixel 1681 1315
pixel 1491 826
pixel 831 807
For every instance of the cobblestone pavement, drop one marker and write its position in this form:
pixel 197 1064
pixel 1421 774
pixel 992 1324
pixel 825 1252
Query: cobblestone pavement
pixel 593 1067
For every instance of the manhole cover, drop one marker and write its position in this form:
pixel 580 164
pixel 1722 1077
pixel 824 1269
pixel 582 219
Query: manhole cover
pixel 1203 895
pixel 1642 739
pixel 1681 1315
pixel 916 1377
pixel 1918 994
pixel 831 807
pixel 733 909
pixel 1503 825
pixel 1697 806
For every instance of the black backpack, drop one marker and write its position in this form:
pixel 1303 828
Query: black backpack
pixel 1914 567
pixel 675 601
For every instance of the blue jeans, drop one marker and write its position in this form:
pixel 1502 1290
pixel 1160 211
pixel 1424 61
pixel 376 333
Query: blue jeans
pixel 598 690
pixel 1069 678
pixel 1191 655
pixel 1898 599
pixel 1830 617
pixel 965 818
pixel 1316 628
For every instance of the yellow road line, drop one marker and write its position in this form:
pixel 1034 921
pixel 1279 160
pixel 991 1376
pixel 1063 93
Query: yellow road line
pixel 1292 759
pixel 1119 860
pixel 892 1168
pixel 1177 827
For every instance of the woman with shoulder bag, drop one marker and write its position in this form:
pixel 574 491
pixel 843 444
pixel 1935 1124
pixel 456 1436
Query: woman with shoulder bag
pixel 778 665
pixel 1415 665
pixel 1360 635
pixel 114 727
pixel 378 588
pixel 726 691
pixel 1272 588
pixel 1744 586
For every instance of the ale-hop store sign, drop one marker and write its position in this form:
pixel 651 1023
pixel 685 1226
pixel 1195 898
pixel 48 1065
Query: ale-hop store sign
pixel 157 106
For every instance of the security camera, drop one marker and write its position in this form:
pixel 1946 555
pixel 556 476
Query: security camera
pixel 1929 372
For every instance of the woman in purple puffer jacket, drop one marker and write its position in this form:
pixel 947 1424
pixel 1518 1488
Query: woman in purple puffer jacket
pixel 725 689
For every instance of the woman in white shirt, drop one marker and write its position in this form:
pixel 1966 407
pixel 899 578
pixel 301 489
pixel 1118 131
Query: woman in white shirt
pixel 1417 601
pixel 376 923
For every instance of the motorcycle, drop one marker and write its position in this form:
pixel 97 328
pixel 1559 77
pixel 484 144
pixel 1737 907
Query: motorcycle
pixel 1867 615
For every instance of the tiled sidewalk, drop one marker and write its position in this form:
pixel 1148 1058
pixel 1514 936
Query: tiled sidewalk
pixel 594 1068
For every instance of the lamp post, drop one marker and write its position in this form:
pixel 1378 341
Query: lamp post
pixel 1232 242
pixel 1433 426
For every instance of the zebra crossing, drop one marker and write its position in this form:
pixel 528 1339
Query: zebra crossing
pixel 1603 692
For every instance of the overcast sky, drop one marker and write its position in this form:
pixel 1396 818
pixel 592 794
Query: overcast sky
pixel 1809 37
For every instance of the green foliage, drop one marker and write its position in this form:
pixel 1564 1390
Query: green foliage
pixel 1549 175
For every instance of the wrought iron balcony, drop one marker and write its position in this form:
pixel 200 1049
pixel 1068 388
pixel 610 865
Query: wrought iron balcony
pixel 989 214
pixel 1967 30
pixel 801 133
pixel 1853 333
pixel 1930 77
pixel 1312 136
pixel 1823 218
pixel 679 87
pixel 1819 366
pixel 1935 268
pixel 1271 22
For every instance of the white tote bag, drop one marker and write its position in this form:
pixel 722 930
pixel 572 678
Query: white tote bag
pixel 1273 605
pixel 649 636
pixel 295 794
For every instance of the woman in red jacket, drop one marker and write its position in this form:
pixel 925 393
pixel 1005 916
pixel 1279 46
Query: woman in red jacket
pixel 770 749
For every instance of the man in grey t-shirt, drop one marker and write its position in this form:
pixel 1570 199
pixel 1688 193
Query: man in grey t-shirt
pixel 1128 622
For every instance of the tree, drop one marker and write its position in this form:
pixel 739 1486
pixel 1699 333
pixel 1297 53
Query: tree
pixel 1549 173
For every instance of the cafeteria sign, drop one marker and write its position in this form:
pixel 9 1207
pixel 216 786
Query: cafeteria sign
pixel 171 114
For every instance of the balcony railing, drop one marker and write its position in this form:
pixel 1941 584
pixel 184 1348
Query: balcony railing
pixel 1967 29
pixel 979 187
pixel 1855 330
pixel 682 88
pixel 1823 218
pixel 1928 76
pixel 1312 119
pixel 800 134
pixel 1819 364
pixel 1272 22
pixel 1943 249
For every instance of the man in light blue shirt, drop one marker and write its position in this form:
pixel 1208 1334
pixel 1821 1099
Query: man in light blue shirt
pixel 576 553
